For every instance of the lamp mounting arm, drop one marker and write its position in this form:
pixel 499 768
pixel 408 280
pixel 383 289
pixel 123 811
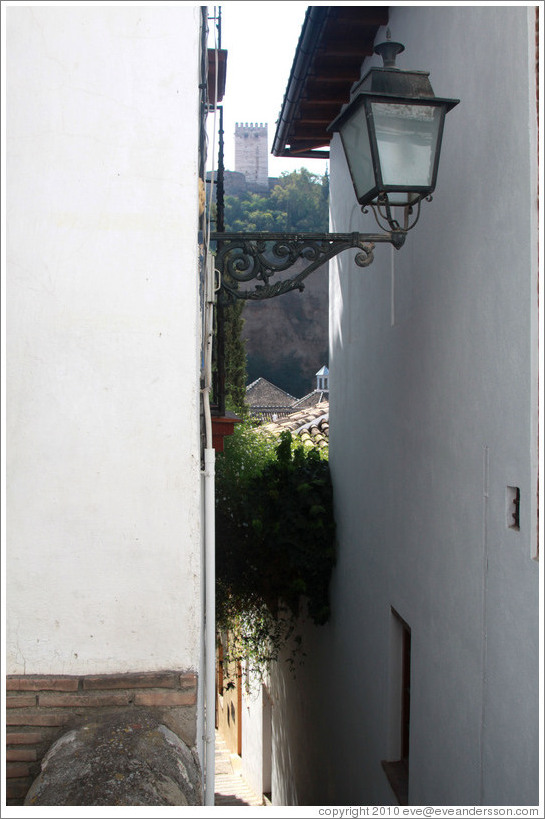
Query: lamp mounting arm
pixel 257 257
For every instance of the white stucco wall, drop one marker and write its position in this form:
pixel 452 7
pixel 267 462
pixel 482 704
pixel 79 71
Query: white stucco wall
pixel 433 357
pixel 103 496
pixel 252 734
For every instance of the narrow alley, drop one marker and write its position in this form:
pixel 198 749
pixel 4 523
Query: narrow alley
pixel 231 788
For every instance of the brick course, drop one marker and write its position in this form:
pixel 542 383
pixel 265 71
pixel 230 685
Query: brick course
pixel 23 701
pixel 33 716
pixel 149 680
pixel 21 754
pixel 41 682
pixel 40 708
pixel 17 769
pixel 92 700
pixel 168 698
pixel 24 738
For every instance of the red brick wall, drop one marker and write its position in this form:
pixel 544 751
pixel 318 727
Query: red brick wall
pixel 40 708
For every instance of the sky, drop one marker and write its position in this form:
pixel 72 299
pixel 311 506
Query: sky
pixel 260 38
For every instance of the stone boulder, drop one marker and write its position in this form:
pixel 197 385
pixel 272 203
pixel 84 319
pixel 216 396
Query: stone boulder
pixel 121 760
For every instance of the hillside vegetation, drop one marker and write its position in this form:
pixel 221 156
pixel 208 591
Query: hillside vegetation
pixel 284 339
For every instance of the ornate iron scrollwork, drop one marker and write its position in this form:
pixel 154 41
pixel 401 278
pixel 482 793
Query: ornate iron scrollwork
pixel 383 213
pixel 243 257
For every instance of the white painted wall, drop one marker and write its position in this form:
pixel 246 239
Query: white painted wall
pixel 103 553
pixel 252 732
pixel 433 414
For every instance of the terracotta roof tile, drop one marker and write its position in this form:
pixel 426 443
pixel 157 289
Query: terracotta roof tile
pixel 310 424
pixel 313 398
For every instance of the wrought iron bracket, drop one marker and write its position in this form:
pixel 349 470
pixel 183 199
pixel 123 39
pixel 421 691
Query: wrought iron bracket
pixel 257 257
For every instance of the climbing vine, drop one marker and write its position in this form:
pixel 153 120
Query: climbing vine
pixel 275 536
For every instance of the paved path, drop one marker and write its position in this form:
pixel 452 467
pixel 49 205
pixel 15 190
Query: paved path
pixel 231 789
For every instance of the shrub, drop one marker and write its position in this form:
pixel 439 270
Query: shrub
pixel 275 536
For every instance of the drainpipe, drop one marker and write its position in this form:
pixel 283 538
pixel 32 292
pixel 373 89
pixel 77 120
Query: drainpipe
pixel 209 549
pixel 209 592
pixel 209 490
pixel 210 623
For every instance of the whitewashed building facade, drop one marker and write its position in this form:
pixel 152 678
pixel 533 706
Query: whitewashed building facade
pixel 104 497
pixel 430 661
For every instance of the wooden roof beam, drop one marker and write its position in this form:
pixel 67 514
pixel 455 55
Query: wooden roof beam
pixel 310 130
pixel 374 15
pixel 345 73
pixel 308 142
pixel 346 50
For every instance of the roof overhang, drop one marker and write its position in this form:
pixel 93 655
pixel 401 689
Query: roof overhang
pixel 216 57
pixel 333 43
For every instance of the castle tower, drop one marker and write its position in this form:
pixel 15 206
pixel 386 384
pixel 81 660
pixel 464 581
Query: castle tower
pixel 252 155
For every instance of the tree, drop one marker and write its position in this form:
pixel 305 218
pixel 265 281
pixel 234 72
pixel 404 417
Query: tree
pixel 299 202
pixel 235 359
pixel 305 200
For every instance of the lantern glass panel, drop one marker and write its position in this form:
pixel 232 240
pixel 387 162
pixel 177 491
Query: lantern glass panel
pixel 407 140
pixel 355 139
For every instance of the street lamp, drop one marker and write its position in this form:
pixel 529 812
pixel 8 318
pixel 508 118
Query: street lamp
pixel 391 134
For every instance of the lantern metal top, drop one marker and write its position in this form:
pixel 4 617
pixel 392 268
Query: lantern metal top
pixel 404 86
pixel 391 80
pixel 389 51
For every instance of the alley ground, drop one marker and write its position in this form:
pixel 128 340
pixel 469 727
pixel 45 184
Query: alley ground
pixel 231 788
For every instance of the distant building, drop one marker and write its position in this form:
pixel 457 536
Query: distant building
pixel 319 394
pixel 251 154
pixel 268 402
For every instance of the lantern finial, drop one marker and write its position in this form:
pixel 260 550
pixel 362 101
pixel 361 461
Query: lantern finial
pixel 389 51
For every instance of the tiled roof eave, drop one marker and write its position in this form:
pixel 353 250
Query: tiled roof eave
pixel 315 422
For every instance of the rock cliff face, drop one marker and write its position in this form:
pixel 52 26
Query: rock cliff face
pixel 287 336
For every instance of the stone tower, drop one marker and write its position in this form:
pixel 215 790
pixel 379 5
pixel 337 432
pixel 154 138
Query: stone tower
pixel 251 154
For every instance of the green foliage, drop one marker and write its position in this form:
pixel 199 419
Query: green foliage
pixel 235 359
pixel 298 202
pixel 275 536
pixel 252 212
pixel 305 200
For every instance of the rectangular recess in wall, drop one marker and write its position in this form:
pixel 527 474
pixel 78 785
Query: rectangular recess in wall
pixel 397 767
pixel 512 508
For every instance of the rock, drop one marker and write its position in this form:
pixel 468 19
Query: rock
pixel 287 336
pixel 128 759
